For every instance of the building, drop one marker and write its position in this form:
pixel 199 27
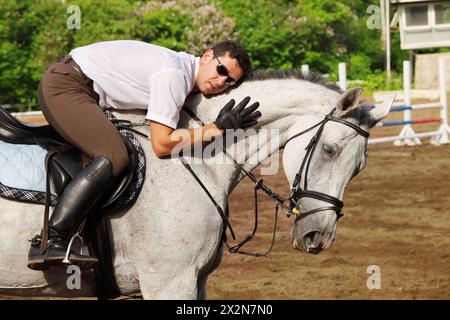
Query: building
pixel 423 23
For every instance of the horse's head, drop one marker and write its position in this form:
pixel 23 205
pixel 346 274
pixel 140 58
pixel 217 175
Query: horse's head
pixel 336 151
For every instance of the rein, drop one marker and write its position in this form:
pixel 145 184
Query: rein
pixel 259 185
pixel 296 191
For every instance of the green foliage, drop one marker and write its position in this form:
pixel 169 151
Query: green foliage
pixel 164 27
pixel 183 25
pixel 100 21
pixel 377 81
pixel 264 29
pixel 278 34
pixel 359 66
pixel 20 58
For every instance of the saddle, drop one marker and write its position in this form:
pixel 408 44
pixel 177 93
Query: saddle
pixel 64 162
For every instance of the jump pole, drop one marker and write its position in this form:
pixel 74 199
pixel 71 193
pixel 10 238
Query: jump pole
pixel 407 136
pixel 305 68
pixel 442 136
pixel 343 76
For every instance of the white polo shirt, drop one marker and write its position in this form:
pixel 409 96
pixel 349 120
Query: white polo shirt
pixel 131 74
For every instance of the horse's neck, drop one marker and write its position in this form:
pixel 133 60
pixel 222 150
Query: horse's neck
pixel 282 103
pixel 278 98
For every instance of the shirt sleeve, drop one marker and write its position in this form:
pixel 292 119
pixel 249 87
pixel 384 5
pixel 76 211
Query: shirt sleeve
pixel 168 91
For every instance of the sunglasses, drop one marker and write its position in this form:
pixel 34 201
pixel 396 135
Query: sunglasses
pixel 221 70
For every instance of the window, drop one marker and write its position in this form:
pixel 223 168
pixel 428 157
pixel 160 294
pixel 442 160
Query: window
pixel 442 12
pixel 416 16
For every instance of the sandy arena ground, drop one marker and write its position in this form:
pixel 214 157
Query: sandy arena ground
pixel 397 216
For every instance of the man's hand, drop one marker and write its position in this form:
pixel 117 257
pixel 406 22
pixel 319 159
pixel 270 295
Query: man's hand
pixel 238 117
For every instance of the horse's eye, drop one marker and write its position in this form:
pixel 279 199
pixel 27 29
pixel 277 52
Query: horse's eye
pixel 329 150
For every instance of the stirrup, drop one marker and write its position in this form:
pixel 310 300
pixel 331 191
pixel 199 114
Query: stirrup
pixel 76 235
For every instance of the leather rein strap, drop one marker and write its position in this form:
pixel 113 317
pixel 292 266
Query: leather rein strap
pixel 259 185
pixel 296 191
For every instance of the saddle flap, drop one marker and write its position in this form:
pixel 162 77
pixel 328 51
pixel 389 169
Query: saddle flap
pixel 64 166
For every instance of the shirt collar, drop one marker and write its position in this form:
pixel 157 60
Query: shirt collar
pixel 196 67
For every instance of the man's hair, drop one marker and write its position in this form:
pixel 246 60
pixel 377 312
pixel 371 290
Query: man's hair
pixel 235 50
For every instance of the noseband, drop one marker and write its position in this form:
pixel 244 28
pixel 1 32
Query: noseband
pixel 296 191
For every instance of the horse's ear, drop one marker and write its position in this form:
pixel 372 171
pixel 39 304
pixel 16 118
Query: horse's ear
pixel 348 101
pixel 380 112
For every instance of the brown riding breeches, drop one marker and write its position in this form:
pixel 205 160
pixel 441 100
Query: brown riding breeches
pixel 70 105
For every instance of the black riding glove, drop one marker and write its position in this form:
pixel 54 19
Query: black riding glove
pixel 238 117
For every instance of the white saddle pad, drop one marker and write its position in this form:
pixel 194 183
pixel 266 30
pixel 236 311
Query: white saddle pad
pixel 22 166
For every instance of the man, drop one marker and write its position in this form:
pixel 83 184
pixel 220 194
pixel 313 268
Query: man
pixel 127 75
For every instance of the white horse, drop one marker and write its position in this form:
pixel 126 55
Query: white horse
pixel 165 246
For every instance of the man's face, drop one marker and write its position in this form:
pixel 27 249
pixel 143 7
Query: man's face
pixel 209 80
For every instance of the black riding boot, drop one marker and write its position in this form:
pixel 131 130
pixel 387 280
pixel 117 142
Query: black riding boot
pixel 77 199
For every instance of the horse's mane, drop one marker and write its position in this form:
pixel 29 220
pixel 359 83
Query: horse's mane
pixel 361 114
pixel 312 77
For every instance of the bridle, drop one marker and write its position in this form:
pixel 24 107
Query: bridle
pixel 297 192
